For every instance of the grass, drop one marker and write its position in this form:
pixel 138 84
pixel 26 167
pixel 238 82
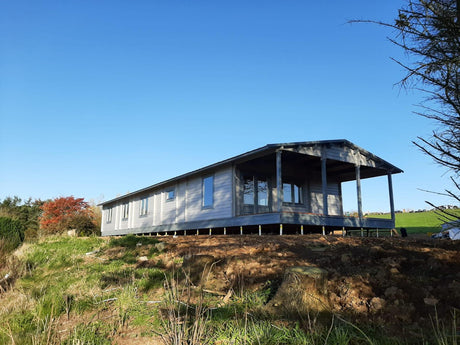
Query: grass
pixel 65 296
pixel 418 222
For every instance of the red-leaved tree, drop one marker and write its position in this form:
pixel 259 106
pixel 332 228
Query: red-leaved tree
pixel 66 213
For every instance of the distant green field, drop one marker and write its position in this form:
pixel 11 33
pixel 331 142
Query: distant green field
pixel 417 223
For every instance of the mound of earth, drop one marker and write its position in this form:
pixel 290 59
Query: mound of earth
pixel 398 283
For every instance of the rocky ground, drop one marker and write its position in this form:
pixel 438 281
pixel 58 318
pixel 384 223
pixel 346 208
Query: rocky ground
pixel 398 283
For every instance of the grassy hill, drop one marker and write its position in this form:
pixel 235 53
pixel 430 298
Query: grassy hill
pixel 147 290
pixel 418 222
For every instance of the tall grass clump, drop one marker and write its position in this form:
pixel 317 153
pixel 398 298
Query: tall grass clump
pixel 185 317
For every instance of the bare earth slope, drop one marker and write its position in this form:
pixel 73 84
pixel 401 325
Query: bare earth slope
pixel 396 282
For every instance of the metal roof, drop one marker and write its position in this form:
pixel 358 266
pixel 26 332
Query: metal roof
pixel 250 154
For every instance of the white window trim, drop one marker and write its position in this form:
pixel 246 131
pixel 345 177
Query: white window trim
pixel 203 206
pixel 143 206
pixel 109 214
pixel 125 211
pixel 173 190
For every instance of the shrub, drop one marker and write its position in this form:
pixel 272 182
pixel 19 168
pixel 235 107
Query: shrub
pixel 12 231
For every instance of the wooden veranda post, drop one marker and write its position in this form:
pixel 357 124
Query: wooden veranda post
pixel 392 204
pixel 358 193
pixel 279 183
pixel 324 183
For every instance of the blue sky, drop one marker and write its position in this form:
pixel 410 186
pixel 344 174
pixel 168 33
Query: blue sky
pixel 99 98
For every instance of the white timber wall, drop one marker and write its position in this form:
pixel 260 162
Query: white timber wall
pixel 334 198
pixel 186 205
pixel 222 207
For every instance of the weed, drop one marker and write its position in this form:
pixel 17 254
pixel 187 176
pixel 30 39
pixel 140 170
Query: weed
pixel 443 335
pixel 95 333
pixel 131 241
pixel 183 322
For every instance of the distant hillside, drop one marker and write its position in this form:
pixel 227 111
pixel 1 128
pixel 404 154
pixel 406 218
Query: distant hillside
pixel 418 222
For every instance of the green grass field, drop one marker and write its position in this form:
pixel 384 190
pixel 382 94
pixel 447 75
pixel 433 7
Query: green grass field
pixel 418 223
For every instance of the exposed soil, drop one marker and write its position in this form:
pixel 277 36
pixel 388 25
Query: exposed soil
pixel 392 282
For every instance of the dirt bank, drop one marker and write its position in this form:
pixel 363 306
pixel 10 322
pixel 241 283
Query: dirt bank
pixel 393 282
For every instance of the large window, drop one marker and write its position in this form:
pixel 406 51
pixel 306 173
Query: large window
pixel 292 193
pixel 208 191
pixel 124 211
pixel 262 193
pixel 248 191
pixel 255 195
pixel 144 206
pixel 108 213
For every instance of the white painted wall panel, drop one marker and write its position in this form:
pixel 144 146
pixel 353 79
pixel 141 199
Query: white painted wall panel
pixel 143 221
pixel 106 227
pixel 168 208
pixel 222 207
pixel 334 198
pixel 157 208
pixel 181 195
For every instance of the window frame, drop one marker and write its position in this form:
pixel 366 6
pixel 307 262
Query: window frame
pixel 203 192
pixel 144 206
pixel 109 214
pixel 125 211
pixel 293 187
pixel 168 191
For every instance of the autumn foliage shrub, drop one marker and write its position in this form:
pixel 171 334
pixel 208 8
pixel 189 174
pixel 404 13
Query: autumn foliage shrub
pixel 66 213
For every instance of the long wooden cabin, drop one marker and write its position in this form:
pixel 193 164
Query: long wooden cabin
pixel 297 186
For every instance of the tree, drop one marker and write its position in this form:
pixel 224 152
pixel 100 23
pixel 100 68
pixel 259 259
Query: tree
pixel 429 32
pixel 26 213
pixel 67 213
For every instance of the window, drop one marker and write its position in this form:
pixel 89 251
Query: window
pixel 255 194
pixel 170 194
pixel 144 206
pixel 287 192
pixel 262 193
pixel 248 191
pixel 208 191
pixel 292 193
pixel 108 213
pixel 125 211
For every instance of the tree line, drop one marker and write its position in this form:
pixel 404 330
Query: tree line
pixel 30 219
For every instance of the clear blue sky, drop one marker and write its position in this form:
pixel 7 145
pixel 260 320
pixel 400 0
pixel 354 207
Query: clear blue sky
pixel 98 98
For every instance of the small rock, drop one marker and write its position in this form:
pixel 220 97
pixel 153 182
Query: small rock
pixel 375 250
pixel 376 304
pixel 391 291
pixel 143 258
pixel 139 244
pixel 345 258
pixel 394 270
pixel 430 301
pixel 160 246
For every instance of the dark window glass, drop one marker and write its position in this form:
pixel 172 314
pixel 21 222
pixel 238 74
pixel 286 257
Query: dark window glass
pixel 248 191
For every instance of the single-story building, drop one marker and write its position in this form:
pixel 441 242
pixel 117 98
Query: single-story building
pixel 295 185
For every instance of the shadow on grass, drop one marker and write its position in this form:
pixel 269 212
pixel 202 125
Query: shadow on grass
pixel 421 230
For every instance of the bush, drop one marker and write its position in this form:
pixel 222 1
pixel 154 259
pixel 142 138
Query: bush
pixel 12 231
pixel 84 225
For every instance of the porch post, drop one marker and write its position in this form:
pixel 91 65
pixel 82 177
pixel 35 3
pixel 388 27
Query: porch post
pixel 324 183
pixel 358 192
pixel 392 205
pixel 279 183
